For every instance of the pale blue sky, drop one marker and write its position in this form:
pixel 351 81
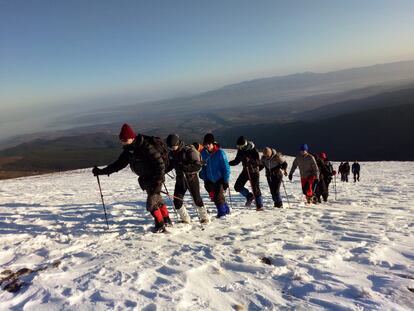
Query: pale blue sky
pixel 71 52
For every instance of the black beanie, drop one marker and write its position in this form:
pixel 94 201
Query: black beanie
pixel 208 139
pixel 173 140
pixel 241 141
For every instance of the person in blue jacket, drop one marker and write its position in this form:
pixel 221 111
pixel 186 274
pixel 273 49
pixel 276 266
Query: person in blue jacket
pixel 215 173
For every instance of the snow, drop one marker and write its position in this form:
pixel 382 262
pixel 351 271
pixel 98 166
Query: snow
pixel 355 253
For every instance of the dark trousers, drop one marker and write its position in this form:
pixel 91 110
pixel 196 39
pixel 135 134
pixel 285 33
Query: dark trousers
pixel 243 179
pixel 182 184
pixel 216 188
pixel 322 189
pixel 274 182
pixel 356 176
pixel 154 199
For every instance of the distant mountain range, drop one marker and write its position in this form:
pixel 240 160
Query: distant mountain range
pixel 371 129
pixel 362 113
pixel 274 99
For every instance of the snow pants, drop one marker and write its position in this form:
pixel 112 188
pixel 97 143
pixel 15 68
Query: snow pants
pixel 182 184
pixel 308 185
pixel 215 191
pixel 322 190
pixel 154 199
pixel 356 176
pixel 241 181
pixel 274 182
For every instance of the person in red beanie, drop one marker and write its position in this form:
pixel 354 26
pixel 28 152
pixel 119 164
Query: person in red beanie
pixel 326 172
pixel 146 158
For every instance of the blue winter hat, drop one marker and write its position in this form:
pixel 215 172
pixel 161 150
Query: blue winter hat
pixel 304 147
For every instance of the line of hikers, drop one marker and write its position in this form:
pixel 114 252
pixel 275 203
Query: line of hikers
pixel 344 169
pixel 151 159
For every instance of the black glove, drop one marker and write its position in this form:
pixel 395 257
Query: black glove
pixel 290 177
pixel 225 186
pixel 96 171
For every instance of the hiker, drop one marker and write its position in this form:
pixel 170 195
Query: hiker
pixel 309 172
pixel 248 155
pixel 341 171
pixel 355 170
pixel 147 159
pixel 275 167
pixel 326 172
pixel 186 161
pixel 346 170
pixel 199 147
pixel 215 173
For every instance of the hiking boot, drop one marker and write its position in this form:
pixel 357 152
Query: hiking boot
pixel 202 213
pixel 278 204
pixel 168 222
pixel 227 208
pixel 315 200
pixel 221 211
pixel 308 200
pixel 249 200
pixel 159 227
pixel 185 218
pixel 259 208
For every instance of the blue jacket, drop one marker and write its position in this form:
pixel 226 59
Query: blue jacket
pixel 217 166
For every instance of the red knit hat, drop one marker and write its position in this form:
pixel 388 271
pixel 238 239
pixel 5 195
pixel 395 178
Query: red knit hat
pixel 126 132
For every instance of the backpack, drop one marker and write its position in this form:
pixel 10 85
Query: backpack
pixel 160 146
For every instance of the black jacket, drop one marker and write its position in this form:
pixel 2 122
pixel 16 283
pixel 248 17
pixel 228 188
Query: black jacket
pixel 144 159
pixel 249 157
pixel 356 168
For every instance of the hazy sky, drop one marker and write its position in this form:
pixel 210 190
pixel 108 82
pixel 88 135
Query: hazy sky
pixel 73 52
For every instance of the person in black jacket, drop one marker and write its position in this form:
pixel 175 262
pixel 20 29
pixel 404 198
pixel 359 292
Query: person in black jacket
pixel 326 172
pixel 248 155
pixel 346 170
pixel 145 160
pixel 186 161
pixel 355 170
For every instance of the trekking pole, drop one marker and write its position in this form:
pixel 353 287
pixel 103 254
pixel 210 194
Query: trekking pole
pixel 231 201
pixel 172 177
pixel 169 196
pixel 103 204
pixel 335 185
pixel 287 199
pixel 189 190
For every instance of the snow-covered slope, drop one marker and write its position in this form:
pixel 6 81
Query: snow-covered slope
pixel 351 254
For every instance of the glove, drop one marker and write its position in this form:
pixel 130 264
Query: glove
pixel 334 173
pixel 290 177
pixel 96 171
pixel 285 173
pixel 225 186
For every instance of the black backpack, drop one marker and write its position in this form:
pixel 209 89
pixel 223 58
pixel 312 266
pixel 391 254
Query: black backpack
pixel 160 146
